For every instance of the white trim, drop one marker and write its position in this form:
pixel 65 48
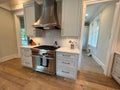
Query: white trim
pixel 96 1
pixel 113 40
pixel 17 28
pixel 85 3
pixel 98 61
pixel 9 57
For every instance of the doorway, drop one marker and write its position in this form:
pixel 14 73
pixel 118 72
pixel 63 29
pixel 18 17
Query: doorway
pixel 24 37
pixel 96 35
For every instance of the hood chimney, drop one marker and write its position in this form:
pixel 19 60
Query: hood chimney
pixel 48 18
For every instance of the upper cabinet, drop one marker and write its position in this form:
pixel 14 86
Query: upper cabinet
pixel 31 14
pixel 70 18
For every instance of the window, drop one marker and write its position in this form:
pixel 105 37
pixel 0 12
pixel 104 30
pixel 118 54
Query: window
pixel 94 32
pixel 24 38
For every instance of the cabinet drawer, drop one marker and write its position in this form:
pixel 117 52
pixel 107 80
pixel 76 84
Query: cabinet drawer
pixel 115 72
pixel 117 78
pixel 25 52
pixel 26 55
pixel 27 62
pixel 66 72
pixel 66 62
pixel 116 69
pixel 66 55
pixel 117 60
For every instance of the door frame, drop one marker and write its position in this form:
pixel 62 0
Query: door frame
pixel 113 38
pixel 18 14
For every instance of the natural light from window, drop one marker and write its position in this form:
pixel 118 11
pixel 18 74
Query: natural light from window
pixel 94 32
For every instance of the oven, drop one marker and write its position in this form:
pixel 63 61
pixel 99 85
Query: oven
pixel 44 61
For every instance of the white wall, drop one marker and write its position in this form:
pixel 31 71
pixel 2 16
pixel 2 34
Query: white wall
pixel 8 47
pixel 106 19
pixel 5 6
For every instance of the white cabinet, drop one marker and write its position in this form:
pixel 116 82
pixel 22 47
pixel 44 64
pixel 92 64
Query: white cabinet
pixel 116 68
pixel 66 64
pixel 31 14
pixel 26 58
pixel 70 17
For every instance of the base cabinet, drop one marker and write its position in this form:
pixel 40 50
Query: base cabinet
pixel 66 65
pixel 26 58
pixel 116 68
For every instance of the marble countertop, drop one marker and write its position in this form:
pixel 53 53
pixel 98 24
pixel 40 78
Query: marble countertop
pixel 62 49
pixel 68 50
pixel 28 46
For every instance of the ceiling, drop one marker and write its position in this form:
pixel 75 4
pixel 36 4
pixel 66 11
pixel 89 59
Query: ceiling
pixel 92 10
pixel 13 2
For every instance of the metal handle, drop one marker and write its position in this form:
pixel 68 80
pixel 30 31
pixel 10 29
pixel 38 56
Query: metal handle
pixel 67 55
pixel 27 63
pixel 65 63
pixel 119 77
pixel 26 55
pixel 36 55
pixel 42 57
pixel 65 72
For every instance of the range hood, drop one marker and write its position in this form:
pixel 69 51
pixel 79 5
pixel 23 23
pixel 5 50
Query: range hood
pixel 48 18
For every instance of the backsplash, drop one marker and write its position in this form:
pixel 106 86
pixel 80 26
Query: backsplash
pixel 50 36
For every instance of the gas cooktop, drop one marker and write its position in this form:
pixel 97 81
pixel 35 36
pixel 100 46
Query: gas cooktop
pixel 47 47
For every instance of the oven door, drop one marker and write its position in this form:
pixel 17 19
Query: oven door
pixel 43 64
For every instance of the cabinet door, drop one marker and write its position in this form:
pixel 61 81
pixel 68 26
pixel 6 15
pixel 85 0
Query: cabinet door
pixel 28 62
pixel 116 68
pixel 26 59
pixel 29 14
pixel 71 18
pixel 66 72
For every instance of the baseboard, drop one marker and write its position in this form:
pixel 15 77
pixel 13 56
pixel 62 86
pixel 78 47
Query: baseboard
pixel 8 57
pixel 98 61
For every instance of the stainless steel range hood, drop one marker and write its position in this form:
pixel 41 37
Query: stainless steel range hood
pixel 48 19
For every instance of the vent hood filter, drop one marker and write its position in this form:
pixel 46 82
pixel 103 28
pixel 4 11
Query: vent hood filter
pixel 48 19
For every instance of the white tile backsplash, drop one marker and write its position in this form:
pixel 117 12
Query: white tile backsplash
pixel 50 36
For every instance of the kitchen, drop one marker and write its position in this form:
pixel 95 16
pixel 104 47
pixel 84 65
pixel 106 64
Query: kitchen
pixel 50 36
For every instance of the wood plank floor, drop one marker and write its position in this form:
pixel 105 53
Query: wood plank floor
pixel 15 77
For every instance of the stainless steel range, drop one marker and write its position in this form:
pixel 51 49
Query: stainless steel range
pixel 43 59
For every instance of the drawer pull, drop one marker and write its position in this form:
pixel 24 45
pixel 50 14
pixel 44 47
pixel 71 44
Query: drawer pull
pixel 65 63
pixel 65 72
pixel 67 55
pixel 27 63
pixel 118 77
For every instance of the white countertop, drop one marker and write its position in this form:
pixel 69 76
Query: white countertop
pixel 68 50
pixel 29 46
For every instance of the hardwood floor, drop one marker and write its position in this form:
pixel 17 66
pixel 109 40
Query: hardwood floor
pixel 15 77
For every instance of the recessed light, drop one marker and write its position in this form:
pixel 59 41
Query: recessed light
pixel 86 14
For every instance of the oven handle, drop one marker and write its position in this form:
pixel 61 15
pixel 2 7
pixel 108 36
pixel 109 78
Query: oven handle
pixel 41 56
pixel 36 55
